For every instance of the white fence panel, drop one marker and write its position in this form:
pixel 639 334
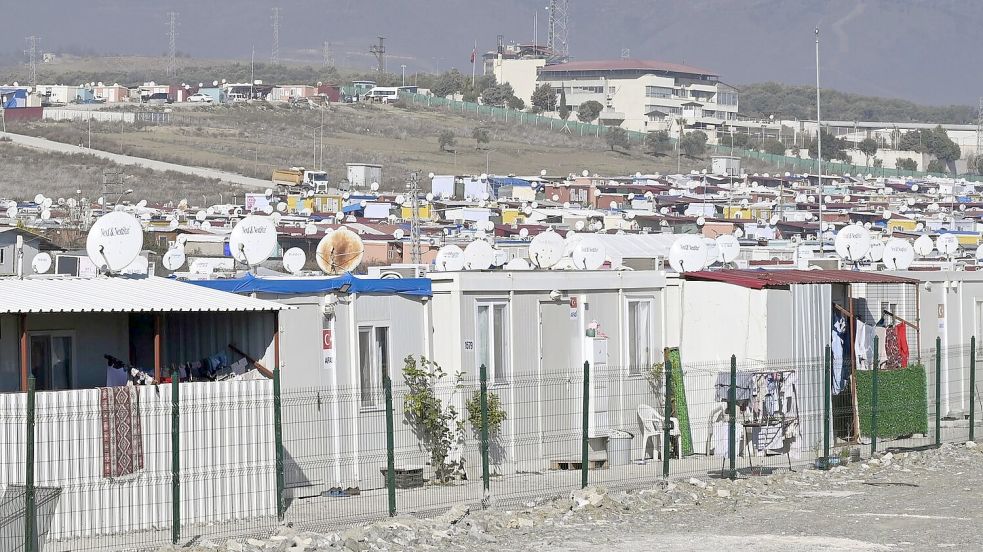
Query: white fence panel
pixel 57 114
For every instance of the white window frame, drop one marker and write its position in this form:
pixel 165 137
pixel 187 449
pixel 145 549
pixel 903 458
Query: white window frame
pixel 372 398
pixel 73 369
pixel 634 368
pixel 506 366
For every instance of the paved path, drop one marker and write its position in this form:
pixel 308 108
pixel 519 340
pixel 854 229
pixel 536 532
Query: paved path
pixel 59 147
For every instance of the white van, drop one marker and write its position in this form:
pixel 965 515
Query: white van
pixel 384 94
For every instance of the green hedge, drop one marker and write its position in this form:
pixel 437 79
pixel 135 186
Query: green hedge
pixel 902 401
pixel 679 400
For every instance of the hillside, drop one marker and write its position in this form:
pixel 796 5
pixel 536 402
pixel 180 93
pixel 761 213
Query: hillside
pixel 799 102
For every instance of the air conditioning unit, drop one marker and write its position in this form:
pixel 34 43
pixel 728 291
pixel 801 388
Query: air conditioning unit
pixel 824 264
pixel 397 271
pixel 644 263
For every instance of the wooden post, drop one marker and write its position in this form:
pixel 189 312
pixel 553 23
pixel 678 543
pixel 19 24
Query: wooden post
pixel 157 370
pixel 23 352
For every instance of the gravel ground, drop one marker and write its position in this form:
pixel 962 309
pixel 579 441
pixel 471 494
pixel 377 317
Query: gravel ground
pixel 901 501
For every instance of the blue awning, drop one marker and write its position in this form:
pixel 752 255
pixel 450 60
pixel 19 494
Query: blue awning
pixel 416 287
pixel 353 208
pixel 508 181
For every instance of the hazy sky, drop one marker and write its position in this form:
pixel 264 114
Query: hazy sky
pixel 923 50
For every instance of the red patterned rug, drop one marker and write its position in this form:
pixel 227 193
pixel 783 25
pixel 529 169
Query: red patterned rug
pixel 122 437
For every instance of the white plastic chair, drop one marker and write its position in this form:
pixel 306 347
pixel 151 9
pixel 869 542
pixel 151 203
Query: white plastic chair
pixel 652 428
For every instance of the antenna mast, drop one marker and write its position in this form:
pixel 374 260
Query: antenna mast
pixel 171 43
pixel 32 55
pixel 979 135
pixel 557 42
pixel 414 188
pixel 275 57
pixel 328 56
pixel 379 51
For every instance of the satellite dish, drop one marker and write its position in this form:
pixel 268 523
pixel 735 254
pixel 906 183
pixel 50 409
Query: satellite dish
pixel 450 258
pixel 253 240
pixel 585 172
pixel 729 247
pixel 268 192
pixel 774 220
pixel 923 245
pixel 546 249
pixel 41 263
pixel 340 251
pixel 12 211
pixel 852 242
pixel 72 202
pixel 589 254
pixel 947 244
pixel 398 234
pixel 614 204
pixel 206 226
pixel 846 198
pixel 276 217
pixel 281 206
pixel 142 203
pixel 979 254
pixel 579 225
pixel 517 264
pixel 501 257
pixel 478 255
pixel 114 240
pixel 713 251
pixel 45 214
pixel 556 197
pixel 489 226
pixel 914 187
pixel 527 210
pixel 374 187
pixel 876 252
pixel 700 221
pixel 39 199
pixel 898 254
pixel 688 254
pixel 201 215
pixel 400 199
pixel 294 260
pixel 524 233
pixel 886 215
pixel 310 229
pixel 174 258
pixel 566 204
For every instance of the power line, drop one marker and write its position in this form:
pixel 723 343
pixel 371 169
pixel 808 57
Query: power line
pixel 379 51
pixel 32 55
pixel 275 58
pixel 171 43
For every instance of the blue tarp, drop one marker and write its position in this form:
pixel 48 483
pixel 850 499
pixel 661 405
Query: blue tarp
pixel 417 287
pixel 17 97
pixel 508 181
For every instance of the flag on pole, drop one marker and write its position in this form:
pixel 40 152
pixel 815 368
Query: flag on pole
pixel 474 54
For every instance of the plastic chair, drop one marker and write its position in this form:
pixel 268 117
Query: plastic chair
pixel 652 427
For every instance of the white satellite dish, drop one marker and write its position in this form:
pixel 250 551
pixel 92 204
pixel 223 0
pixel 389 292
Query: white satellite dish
pixel 478 255
pixel 268 209
pixel 579 226
pixel 253 240
pixel 898 254
pixel 374 186
pixel 400 199
pixel 174 258
pixel 114 240
pixel 72 202
pixel 524 233
pixel 206 226
pixel 399 233
pixel 614 204
pixel 924 245
pixel 947 244
pixel 852 242
pixel 774 220
pixel 41 263
pixel 450 258
pixel 556 197
pixel 268 192
pixel 45 214
pixel 142 203
pixel 201 215
pixel 501 257
pixel 589 254
pixel 876 252
pixel 527 210
pixel 729 247
pixel 310 229
pixel 546 249
pixel 979 254
pixel 39 199
pixel 277 216
pixel 294 260
pixel 281 206
pixel 489 226
pixel 713 251
pixel 688 253
pixel 700 221
pixel 517 264
pixel 886 215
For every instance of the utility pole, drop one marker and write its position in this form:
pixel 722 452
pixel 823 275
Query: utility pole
pixel 819 148
pixel 379 51
pixel 275 57
pixel 171 43
pixel 32 56
pixel 414 188
pixel 979 136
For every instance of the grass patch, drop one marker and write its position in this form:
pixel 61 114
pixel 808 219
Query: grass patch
pixel 902 401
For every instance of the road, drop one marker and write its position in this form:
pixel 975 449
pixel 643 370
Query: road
pixel 203 172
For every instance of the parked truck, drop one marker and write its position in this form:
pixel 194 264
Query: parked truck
pixel 295 177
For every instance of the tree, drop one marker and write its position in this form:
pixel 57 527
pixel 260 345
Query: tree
pixel 693 143
pixel 906 164
pixel 833 147
pixel 544 98
pixel 617 137
pixel 657 142
pixel 739 140
pixel 942 147
pixel 773 146
pixel 447 83
pixel 446 140
pixel 878 163
pixel 563 110
pixel 936 166
pixel 497 95
pixel 589 111
pixel 868 147
pixel 481 136
pixel 516 102
pixel 974 163
pixel 913 140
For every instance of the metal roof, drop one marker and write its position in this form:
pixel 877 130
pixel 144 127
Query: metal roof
pixel 760 279
pixel 626 65
pixel 118 294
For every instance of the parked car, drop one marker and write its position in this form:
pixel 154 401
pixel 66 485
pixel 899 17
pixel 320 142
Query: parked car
pixel 199 97
pixel 159 98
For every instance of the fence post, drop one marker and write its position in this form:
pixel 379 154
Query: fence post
pixel 278 443
pixel 827 367
pixel 387 385
pixel 938 391
pixel 972 388
pixel 485 476
pixel 585 428
pixel 175 457
pixel 732 418
pixel 873 400
pixel 30 526
pixel 667 419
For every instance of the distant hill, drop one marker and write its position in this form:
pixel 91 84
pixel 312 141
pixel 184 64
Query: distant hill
pixel 799 102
